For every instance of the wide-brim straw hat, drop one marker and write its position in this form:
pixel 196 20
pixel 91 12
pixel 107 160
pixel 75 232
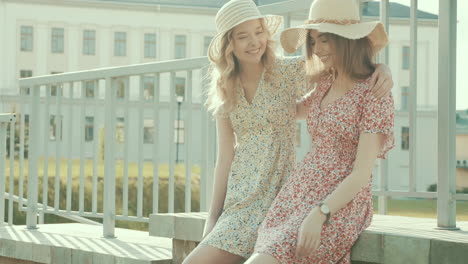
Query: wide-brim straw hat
pixel 236 12
pixel 340 17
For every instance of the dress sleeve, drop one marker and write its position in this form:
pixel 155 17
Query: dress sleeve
pixel 295 75
pixel 221 112
pixel 378 118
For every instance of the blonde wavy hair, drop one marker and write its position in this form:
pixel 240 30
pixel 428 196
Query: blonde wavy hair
pixel 224 73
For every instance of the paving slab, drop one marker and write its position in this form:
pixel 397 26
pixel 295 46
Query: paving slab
pixel 81 243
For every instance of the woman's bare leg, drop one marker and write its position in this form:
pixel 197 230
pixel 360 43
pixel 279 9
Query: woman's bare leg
pixel 260 258
pixel 204 254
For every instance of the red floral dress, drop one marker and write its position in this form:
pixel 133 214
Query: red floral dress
pixel 335 131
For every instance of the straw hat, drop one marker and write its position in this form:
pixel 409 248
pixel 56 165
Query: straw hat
pixel 340 17
pixel 234 13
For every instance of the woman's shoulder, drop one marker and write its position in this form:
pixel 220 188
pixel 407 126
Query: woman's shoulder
pixel 286 61
pixel 364 85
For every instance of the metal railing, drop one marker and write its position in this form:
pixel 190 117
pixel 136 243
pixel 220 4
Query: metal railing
pixel 65 96
pixel 6 120
pixel 75 103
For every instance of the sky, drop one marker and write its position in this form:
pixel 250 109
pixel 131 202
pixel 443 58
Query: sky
pixel 432 6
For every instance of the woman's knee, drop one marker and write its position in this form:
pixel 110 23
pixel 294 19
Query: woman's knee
pixel 260 258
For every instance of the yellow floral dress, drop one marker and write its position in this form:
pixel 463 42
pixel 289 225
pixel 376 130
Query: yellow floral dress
pixel 264 155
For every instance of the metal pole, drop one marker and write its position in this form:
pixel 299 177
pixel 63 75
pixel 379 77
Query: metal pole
pixel 3 129
pixel 31 217
pixel 109 162
pixel 413 91
pixel 178 130
pixel 383 173
pixel 446 204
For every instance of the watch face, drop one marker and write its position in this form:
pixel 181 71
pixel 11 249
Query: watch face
pixel 324 208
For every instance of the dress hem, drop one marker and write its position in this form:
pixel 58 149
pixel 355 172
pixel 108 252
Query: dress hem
pixel 231 251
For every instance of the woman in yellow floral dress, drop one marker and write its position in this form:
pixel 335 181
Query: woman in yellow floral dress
pixel 254 101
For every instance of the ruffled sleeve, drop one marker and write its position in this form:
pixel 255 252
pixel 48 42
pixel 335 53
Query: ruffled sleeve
pixel 221 112
pixel 295 75
pixel 378 118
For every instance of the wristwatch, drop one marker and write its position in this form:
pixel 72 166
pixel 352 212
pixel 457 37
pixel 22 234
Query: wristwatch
pixel 324 209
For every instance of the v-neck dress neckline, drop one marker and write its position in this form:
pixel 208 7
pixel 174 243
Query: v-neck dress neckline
pixel 259 88
pixel 337 100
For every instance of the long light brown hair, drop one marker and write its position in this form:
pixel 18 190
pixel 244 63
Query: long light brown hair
pixel 355 57
pixel 224 73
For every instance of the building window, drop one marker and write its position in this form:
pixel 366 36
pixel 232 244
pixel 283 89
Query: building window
pixel 121 85
pixel 180 46
pixel 25 74
pixel 179 132
pixel 405 138
pixel 180 87
pixel 150 45
pixel 26 38
pixel 89 128
pixel 90 89
pixel 405 58
pixel 120 44
pixel 148 90
pixel 404 98
pixel 89 42
pixel 55 128
pixel 298 135
pixel 206 44
pixel 120 132
pixel 57 40
pixel 54 87
pixel 148 131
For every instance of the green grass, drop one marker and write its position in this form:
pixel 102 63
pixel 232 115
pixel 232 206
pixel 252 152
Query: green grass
pixel 147 173
pixel 425 208
pixel 405 207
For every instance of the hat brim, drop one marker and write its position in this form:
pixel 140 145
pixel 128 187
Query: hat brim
pixel 272 22
pixel 293 38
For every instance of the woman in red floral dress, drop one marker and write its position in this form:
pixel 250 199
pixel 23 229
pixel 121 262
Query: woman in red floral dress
pixel 325 205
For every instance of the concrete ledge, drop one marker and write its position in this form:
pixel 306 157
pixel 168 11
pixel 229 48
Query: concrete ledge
pixel 182 226
pixel 82 244
pixel 389 240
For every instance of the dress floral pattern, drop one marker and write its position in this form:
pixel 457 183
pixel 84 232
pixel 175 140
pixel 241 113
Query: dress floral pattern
pixel 264 155
pixel 335 131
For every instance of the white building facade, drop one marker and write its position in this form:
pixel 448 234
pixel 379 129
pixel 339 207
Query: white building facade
pixel 44 37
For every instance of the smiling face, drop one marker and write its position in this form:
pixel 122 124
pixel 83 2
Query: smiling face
pixel 249 41
pixel 321 45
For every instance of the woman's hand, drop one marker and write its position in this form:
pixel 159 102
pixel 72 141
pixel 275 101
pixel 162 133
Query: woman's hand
pixel 381 81
pixel 209 225
pixel 309 233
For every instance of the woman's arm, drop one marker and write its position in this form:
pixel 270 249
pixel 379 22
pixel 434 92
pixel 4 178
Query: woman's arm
pixel 310 231
pixel 302 106
pixel 224 159
pixel 368 148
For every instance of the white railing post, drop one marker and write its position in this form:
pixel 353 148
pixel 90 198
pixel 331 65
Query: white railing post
pixel 4 120
pixel 188 143
pixel 33 159
pixel 3 128
pixel 413 105
pixel 446 204
pixel 172 140
pixel 383 168
pixel 109 161
pixel 12 171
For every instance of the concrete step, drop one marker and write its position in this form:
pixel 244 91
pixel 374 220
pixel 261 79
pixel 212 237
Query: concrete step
pixel 83 244
pixel 389 240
